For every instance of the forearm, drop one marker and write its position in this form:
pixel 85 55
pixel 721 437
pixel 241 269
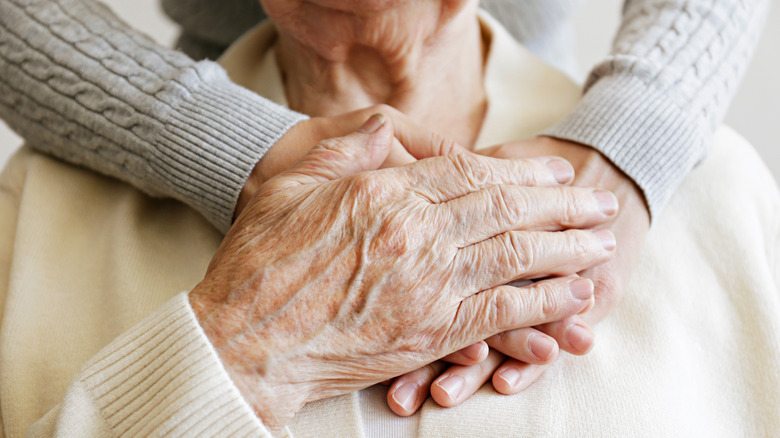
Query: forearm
pixel 78 83
pixel 651 106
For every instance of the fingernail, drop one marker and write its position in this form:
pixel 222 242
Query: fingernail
pixel 579 337
pixel 372 124
pixel 510 375
pixel 608 203
pixel 607 239
pixel 563 172
pixel 452 385
pixel 541 346
pixel 581 289
pixel 474 351
pixel 405 395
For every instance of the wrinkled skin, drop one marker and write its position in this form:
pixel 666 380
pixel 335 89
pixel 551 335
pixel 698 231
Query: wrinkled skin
pixel 422 57
pixel 411 142
pixel 511 362
pixel 332 280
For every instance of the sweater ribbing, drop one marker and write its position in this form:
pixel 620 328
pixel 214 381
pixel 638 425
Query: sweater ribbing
pixel 149 381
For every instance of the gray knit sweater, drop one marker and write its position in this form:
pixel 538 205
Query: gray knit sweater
pixel 77 82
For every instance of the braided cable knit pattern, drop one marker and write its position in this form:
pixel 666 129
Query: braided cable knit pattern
pixel 651 106
pixel 78 83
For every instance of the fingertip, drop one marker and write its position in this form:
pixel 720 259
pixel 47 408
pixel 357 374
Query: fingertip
pixel 591 303
pixel 514 377
pixel 582 288
pixel 373 124
pixel 607 202
pixel 473 354
pixel 506 380
pixel 579 337
pixel 447 389
pixel 607 239
pixel 379 143
pixel 543 347
pixel 562 170
pixel 405 399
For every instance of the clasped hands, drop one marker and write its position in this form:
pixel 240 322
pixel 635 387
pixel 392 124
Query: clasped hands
pixel 332 279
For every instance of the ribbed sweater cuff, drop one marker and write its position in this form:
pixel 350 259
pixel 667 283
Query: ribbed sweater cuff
pixel 215 132
pixel 641 130
pixel 163 378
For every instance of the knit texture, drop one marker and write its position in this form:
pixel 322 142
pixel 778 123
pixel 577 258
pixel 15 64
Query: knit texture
pixel 128 381
pixel 652 105
pixel 78 83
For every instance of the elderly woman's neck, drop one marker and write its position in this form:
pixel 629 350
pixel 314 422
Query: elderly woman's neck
pixel 425 61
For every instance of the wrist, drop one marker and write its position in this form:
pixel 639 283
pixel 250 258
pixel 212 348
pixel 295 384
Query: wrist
pixel 262 378
pixel 285 152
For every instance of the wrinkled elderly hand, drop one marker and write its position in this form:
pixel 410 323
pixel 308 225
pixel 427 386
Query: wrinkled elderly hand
pixel 411 143
pixel 332 280
pixel 517 358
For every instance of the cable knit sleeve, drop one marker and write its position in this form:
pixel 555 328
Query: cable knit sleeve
pixel 652 105
pixel 78 83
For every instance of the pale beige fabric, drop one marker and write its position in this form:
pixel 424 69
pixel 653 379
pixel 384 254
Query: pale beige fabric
pixel 97 340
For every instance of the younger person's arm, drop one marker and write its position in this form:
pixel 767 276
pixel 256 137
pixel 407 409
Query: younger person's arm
pixel 78 83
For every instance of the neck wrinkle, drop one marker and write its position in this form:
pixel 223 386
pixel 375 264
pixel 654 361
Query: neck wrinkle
pixel 435 78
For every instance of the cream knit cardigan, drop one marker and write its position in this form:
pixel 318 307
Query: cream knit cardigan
pixel 97 338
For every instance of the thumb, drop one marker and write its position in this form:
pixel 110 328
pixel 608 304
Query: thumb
pixel 334 158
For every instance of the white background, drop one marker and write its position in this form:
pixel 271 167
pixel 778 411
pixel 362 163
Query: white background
pixel 755 112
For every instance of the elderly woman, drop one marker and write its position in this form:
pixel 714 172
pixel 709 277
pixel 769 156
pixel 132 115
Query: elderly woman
pixel 332 280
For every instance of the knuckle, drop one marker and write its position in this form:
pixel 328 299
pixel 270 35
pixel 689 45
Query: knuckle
pixel 394 238
pixel 521 252
pixel 333 144
pixel 510 204
pixel 364 184
pixel 336 148
pixel 532 171
pixel 534 305
pixel 548 306
pixel 503 203
pixel 572 210
pixel 544 304
pixel 366 192
pixel 475 170
pixel 504 309
pixel 579 245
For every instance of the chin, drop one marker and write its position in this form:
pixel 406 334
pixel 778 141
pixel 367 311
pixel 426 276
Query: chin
pixel 355 6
